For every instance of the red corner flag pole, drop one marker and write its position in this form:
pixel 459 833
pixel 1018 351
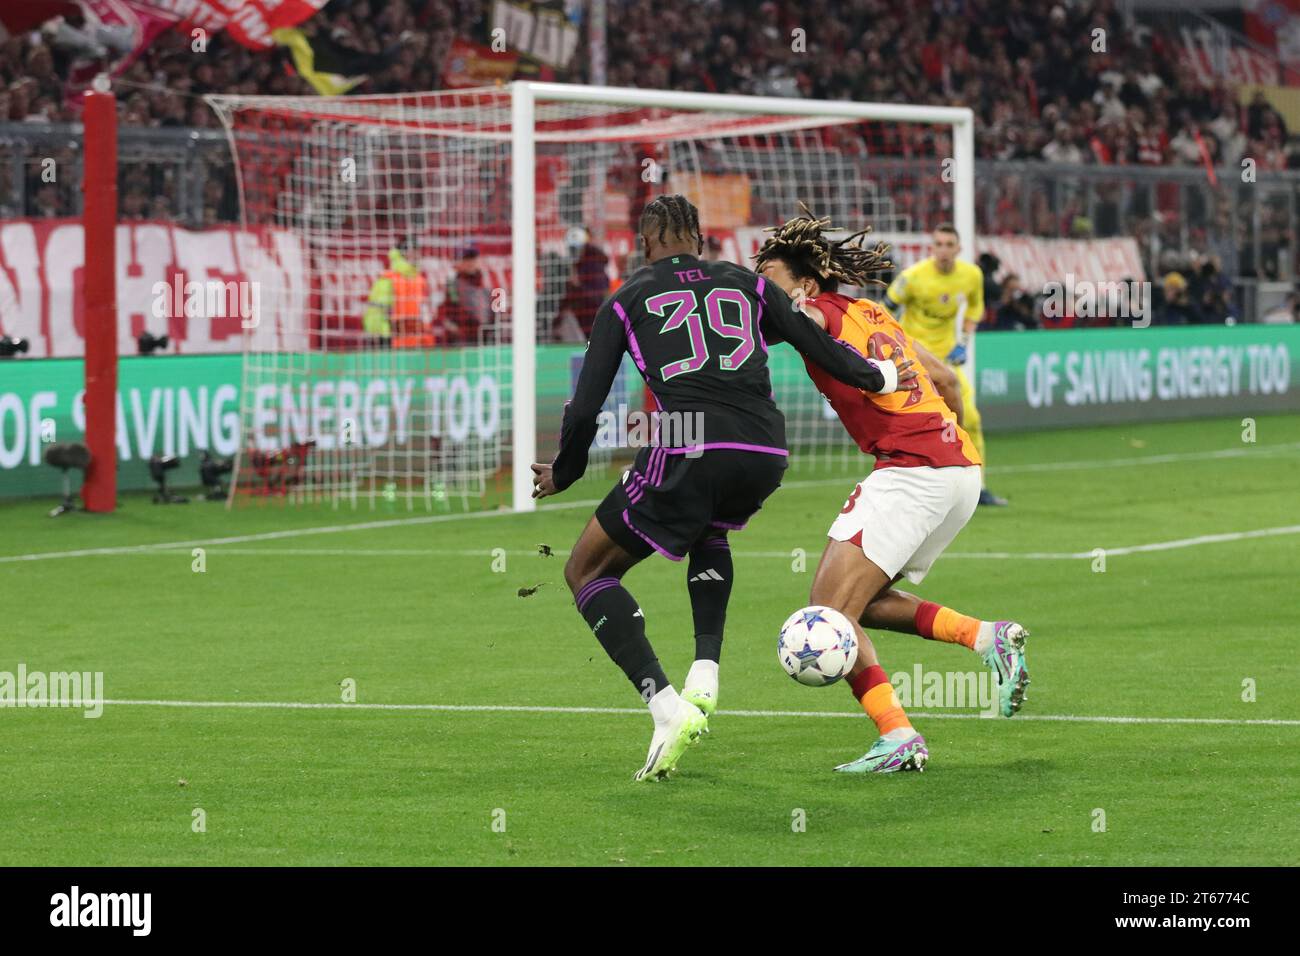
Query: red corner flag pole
pixel 99 297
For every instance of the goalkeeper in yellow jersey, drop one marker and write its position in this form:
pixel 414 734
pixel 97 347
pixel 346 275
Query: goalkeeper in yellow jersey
pixel 940 301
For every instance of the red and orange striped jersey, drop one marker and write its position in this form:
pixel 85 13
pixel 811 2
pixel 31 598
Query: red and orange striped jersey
pixel 904 428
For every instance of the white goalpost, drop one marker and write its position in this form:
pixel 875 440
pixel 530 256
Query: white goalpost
pixel 431 262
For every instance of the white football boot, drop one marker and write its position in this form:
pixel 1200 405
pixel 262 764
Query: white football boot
pixel 671 739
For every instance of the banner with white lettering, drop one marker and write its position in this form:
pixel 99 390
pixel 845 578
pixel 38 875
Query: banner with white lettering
pixel 204 289
pixel 1032 380
pixel 184 405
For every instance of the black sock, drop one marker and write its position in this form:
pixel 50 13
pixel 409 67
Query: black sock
pixel 616 620
pixel 708 581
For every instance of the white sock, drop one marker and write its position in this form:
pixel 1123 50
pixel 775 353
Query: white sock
pixel 663 705
pixel 703 675
pixel 984 640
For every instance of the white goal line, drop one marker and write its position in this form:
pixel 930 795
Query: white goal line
pixel 641 711
pixel 217 548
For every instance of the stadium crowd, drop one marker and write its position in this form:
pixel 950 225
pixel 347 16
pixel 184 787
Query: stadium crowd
pixel 1196 292
pixel 1042 90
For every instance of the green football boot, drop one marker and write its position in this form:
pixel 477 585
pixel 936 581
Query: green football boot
pixel 1006 658
pixel 899 750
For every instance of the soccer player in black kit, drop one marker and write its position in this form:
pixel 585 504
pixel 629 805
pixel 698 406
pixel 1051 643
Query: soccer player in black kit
pixel 699 333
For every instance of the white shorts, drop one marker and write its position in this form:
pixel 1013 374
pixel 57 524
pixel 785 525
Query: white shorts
pixel 907 516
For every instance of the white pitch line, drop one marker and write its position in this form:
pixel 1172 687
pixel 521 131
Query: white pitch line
pixel 1092 463
pixel 349 552
pixel 1130 549
pixel 567 505
pixel 783 555
pixel 1235 452
pixel 529 709
pixel 287 533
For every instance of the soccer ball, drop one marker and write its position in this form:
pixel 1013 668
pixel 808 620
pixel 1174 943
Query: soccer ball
pixel 817 646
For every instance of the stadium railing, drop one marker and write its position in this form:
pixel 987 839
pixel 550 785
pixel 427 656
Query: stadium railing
pixel 173 164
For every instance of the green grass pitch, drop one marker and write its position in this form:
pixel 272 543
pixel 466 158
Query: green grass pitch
pixel 414 613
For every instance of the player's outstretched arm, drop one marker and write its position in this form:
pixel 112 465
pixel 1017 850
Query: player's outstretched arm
pixel 837 359
pixel 604 355
pixel 944 378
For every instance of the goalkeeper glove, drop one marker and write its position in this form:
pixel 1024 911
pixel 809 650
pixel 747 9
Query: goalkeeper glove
pixel 958 355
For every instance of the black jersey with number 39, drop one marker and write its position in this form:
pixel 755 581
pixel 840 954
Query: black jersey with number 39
pixel 699 333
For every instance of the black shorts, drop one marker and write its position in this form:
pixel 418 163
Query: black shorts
pixel 668 502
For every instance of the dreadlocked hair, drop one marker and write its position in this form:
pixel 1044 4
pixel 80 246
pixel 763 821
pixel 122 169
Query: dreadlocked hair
pixel 675 214
pixel 802 245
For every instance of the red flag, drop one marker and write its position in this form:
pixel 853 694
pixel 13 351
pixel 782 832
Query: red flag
pixel 144 19
pixel 473 64
pixel 252 22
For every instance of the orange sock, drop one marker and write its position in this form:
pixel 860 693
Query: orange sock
pixel 938 623
pixel 876 694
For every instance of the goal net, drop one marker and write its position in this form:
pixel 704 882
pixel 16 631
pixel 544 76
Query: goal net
pixel 429 265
